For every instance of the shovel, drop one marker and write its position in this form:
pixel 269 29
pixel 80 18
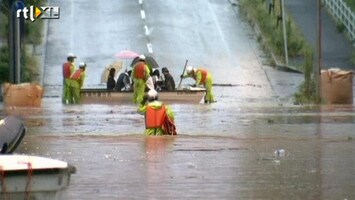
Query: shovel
pixel 183 72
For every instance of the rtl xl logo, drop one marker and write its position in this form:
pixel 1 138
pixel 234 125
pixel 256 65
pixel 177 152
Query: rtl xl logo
pixel 43 12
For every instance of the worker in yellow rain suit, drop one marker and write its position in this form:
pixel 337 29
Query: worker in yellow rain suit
pixel 202 77
pixel 76 82
pixel 140 75
pixel 68 69
pixel 159 118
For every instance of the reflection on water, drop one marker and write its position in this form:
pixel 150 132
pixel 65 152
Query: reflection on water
pixel 157 149
pixel 190 167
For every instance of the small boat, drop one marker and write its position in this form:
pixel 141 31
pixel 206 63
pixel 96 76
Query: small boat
pixel 102 96
pixel 33 177
pixel 12 131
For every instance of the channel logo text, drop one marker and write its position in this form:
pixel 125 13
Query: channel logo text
pixel 42 12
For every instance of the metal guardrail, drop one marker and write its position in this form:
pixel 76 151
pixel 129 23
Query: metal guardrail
pixel 343 13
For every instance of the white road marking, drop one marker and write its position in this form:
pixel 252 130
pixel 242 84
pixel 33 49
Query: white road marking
pixel 146 30
pixel 143 14
pixel 150 48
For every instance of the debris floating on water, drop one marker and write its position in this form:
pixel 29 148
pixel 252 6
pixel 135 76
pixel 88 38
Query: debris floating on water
pixel 280 152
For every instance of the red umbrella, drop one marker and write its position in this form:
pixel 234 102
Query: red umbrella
pixel 126 54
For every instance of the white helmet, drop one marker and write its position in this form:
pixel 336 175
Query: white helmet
pixel 152 94
pixel 189 69
pixel 82 65
pixel 71 55
pixel 142 57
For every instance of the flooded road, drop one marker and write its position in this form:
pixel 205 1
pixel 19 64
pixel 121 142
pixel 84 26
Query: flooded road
pixel 223 150
pixel 202 167
pixel 220 152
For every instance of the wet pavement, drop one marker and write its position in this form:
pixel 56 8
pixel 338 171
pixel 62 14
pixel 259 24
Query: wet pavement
pixel 223 150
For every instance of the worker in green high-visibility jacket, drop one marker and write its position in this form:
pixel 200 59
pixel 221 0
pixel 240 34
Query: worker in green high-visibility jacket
pixel 201 77
pixel 76 82
pixel 140 75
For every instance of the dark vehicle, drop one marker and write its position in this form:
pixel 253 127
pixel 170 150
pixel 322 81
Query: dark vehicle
pixel 12 131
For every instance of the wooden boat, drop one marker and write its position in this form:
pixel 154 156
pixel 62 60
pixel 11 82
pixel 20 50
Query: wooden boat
pixel 12 131
pixel 33 177
pixel 102 96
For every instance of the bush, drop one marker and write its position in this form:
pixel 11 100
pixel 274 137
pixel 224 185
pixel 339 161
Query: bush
pixel 33 31
pixel 351 4
pixel 4 64
pixel 33 35
pixel 340 27
pixel 31 68
pixel 295 40
pixel 3 26
pixel 307 90
pixel 305 97
pixel 353 57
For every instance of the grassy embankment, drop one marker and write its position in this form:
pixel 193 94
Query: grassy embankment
pixel 32 37
pixel 271 38
pixel 351 4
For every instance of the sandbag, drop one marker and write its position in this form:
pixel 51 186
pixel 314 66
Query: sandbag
pixel 22 95
pixel 337 86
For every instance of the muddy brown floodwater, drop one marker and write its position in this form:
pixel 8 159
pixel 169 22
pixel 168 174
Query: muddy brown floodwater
pixel 221 152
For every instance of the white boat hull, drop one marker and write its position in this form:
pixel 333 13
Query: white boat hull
pixel 31 177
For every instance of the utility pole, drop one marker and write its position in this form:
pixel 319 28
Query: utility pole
pixel 284 30
pixel 11 46
pixel 319 54
pixel 15 49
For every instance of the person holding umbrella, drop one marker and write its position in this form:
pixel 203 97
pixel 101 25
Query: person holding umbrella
pixel 126 54
pixel 140 75
pixel 202 77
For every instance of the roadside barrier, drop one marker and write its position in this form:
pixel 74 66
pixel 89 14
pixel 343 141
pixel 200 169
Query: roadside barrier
pixel 343 13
